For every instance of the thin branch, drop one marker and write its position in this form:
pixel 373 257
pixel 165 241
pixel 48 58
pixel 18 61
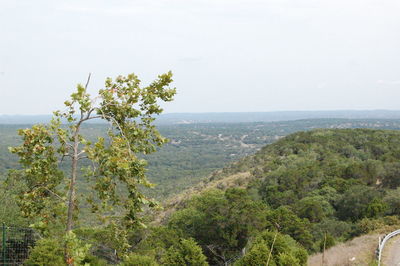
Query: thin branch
pixel 55 194
pixel 210 247
pixel 272 247
pixel 65 155
pixel 93 117
pixel 88 80
pixel 84 157
pixel 89 113
pixel 120 129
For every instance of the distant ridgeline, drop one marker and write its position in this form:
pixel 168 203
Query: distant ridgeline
pixel 232 117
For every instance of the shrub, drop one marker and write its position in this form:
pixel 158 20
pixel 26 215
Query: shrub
pixel 285 251
pixel 138 260
pixel 47 251
pixel 187 253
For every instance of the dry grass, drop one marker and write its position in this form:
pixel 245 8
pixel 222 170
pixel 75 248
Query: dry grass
pixel 359 251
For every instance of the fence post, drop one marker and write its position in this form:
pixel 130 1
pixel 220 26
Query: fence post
pixel 4 244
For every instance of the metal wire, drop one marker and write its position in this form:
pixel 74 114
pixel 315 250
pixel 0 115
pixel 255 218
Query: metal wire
pixel 16 244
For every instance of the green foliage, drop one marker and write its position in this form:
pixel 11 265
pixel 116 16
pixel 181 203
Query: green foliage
pixel 50 251
pixel 335 182
pixel 77 251
pixel 315 208
pixel 10 213
pixel 289 223
pixel 366 225
pixel 186 253
pixel 196 150
pixel 392 200
pixel 138 260
pixel 337 229
pixel 257 255
pixel 285 251
pixel 221 222
pixel 327 242
pixel 156 241
pixel 115 170
pixel 359 202
pixel 40 179
pixel 93 261
pixel 47 251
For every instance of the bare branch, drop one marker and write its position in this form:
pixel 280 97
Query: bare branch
pixel 88 80
pixel 55 194
pixel 93 117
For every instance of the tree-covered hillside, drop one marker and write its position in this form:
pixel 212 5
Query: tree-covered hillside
pixel 319 187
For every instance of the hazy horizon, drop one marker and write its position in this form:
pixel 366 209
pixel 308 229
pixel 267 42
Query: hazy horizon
pixel 226 56
pixel 242 112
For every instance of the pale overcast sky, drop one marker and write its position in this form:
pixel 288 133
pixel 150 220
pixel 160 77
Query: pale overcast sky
pixel 226 55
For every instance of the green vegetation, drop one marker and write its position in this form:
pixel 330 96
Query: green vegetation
pixel 306 191
pixel 196 150
pixel 115 172
pixel 321 186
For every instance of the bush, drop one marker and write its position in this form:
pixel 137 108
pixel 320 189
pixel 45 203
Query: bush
pixel 328 242
pixel 258 255
pixel 93 261
pixel 47 251
pixel 285 251
pixel 139 260
pixel 187 253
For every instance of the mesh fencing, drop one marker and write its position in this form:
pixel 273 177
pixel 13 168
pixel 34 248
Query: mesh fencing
pixel 15 244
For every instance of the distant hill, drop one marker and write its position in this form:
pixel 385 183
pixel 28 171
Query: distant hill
pixel 190 118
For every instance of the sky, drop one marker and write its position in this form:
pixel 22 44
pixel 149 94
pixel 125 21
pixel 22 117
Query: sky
pixel 226 55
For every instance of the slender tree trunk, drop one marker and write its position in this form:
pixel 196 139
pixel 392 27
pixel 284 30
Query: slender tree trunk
pixel 323 253
pixel 71 192
pixel 272 247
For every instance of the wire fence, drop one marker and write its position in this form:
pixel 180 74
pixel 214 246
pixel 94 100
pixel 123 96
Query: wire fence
pixel 15 244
